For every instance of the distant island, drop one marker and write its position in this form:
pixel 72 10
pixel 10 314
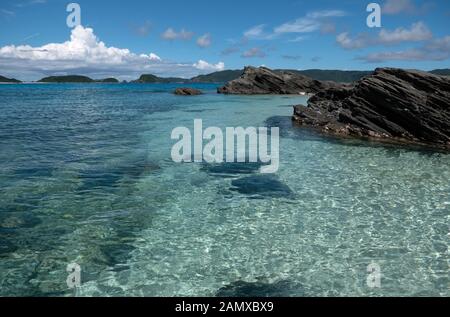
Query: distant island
pixel 75 79
pixel 339 76
pixel 218 77
pixel 9 80
pixel 152 79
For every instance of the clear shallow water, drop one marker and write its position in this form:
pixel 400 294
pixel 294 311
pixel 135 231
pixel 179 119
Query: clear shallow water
pixel 86 177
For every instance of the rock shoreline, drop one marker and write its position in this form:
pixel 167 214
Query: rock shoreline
pixel 406 106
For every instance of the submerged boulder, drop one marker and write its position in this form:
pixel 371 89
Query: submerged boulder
pixel 187 92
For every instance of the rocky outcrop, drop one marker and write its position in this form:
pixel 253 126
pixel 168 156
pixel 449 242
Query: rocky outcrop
pixel 187 92
pixel 262 80
pixel 391 104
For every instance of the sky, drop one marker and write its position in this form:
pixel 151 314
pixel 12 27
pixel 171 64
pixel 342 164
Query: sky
pixel 123 39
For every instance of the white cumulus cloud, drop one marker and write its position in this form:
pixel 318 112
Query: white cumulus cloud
pixel 202 65
pixel 85 54
pixel 154 57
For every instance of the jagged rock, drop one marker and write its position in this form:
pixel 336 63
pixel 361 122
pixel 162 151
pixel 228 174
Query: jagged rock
pixel 187 92
pixel 262 80
pixel 392 104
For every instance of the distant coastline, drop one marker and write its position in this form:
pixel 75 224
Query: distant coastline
pixel 340 76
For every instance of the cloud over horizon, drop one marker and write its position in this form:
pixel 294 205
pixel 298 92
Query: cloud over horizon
pixel 435 50
pixel 416 33
pixel 85 53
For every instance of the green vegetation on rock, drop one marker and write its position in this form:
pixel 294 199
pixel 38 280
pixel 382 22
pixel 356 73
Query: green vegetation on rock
pixel 218 77
pixel 442 72
pixel 8 80
pixel 66 79
pixel 152 79
pixel 75 79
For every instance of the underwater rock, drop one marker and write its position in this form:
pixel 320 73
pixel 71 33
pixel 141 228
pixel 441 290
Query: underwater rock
pixel 15 221
pixel 187 92
pixel 260 289
pixel 262 186
pixel 117 253
pixel 231 169
pixel 6 246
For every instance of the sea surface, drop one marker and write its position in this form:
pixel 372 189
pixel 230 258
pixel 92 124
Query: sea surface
pixel 86 177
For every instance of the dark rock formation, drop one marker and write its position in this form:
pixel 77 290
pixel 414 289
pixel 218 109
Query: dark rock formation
pixel 187 92
pixel 262 80
pixel 392 104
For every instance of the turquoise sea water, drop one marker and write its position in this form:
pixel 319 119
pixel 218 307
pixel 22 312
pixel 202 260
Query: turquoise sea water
pixel 86 177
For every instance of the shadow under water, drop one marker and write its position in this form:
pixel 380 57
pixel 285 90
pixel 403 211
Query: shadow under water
pixel 229 170
pixel 262 186
pixel 261 289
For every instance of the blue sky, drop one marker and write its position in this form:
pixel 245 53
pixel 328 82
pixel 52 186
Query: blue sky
pixel 181 38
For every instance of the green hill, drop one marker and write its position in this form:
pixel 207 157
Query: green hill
pixel 107 81
pixel 340 76
pixel 324 75
pixel 218 77
pixel 66 79
pixel 152 79
pixel 75 79
pixel 442 72
pixel 9 80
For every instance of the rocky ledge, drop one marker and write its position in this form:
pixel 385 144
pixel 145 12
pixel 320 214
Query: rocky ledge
pixel 262 80
pixel 392 104
pixel 187 92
